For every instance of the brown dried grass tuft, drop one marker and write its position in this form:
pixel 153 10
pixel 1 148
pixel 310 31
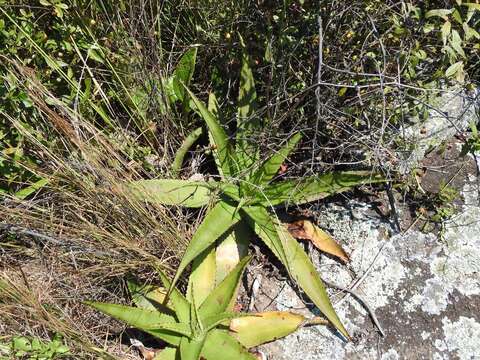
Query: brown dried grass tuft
pixel 83 234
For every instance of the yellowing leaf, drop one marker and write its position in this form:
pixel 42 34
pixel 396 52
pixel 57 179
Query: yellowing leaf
pixel 263 327
pixel 454 68
pixel 438 12
pixel 304 229
pixel 342 91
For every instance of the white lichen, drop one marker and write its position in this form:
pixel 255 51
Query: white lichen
pixel 420 271
pixel 461 338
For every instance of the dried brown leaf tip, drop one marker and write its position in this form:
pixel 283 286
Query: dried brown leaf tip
pixel 304 229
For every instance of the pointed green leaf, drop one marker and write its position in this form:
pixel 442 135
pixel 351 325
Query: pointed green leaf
pixel 149 297
pixel 456 43
pixel 223 147
pixel 183 149
pixel 167 354
pixel 173 192
pixel 247 95
pixel 261 223
pixel 178 301
pixel 190 349
pixel 184 72
pixel 202 278
pixel 271 166
pixel 231 248
pixel 438 12
pixel 217 222
pixel 306 276
pixel 213 105
pixel 140 318
pixel 177 327
pixel 220 345
pixel 316 187
pixel 212 321
pixel 247 123
pixel 221 297
pixel 454 68
pixel 295 260
pixel 256 329
pixel 29 190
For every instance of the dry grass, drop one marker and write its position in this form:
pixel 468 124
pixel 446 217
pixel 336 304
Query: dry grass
pixel 83 234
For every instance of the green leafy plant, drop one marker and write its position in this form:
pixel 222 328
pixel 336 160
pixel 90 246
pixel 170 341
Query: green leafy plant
pixel 244 200
pixel 21 347
pixel 172 89
pixel 472 144
pixel 200 327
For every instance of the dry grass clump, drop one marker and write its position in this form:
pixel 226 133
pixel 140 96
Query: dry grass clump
pixel 83 234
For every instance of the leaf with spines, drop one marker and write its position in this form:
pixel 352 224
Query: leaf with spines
pixel 316 187
pixel 248 125
pixel 218 220
pixel 255 329
pixel 149 297
pixel 202 276
pixel 220 345
pixel 220 298
pixel 223 147
pixel 295 260
pixel 270 167
pixel 143 319
pixel 173 192
pixel 179 302
pixel 190 349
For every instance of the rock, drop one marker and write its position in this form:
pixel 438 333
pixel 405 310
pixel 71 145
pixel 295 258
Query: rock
pixel 450 114
pixel 423 288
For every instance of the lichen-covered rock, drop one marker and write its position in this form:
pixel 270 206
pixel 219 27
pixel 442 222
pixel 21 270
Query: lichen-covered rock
pixel 449 115
pixel 423 288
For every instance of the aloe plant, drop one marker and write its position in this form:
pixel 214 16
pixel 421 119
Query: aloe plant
pixel 205 329
pixel 244 199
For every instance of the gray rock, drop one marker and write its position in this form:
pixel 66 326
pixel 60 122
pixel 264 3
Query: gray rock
pixel 450 114
pixel 423 288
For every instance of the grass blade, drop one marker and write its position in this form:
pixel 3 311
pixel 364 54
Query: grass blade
pixel 25 192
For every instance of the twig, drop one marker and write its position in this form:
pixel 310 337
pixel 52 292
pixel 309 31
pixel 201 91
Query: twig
pixel 48 239
pixel 363 302
pixel 393 208
pixel 358 282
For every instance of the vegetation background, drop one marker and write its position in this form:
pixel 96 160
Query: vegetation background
pixel 85 103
